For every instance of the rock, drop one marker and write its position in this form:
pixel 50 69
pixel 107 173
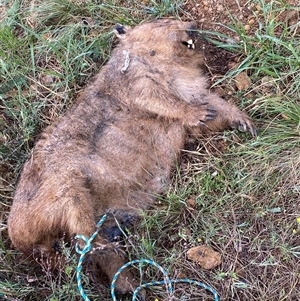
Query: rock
pixel 191 202
pixel 242 81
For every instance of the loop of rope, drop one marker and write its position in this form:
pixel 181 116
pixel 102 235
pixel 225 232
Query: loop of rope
pixel 167 281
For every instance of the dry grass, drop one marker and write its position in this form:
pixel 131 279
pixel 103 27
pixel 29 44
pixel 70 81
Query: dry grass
pixel 245 193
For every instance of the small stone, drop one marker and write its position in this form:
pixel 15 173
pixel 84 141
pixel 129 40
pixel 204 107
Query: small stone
pixel 258 7
pixel 251 21
pixel 242 81
pixel 247 27
pixel 47 80
pixel 267 81
pixel 220 8
pixel 191 202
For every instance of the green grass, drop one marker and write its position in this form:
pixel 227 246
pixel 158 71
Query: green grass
pixel 242 201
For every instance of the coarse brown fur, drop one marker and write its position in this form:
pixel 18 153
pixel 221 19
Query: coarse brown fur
pixel 113 151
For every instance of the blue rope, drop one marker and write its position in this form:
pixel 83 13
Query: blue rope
pixel 167 281
pixel 85 250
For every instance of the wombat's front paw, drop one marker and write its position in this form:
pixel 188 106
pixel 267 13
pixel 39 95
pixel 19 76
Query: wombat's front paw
pixel 198 114
pixel 244 124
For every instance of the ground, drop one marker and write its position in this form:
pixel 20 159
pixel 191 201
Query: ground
pixel 238 195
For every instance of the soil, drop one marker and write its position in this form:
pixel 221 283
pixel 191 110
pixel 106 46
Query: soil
pixel 219 15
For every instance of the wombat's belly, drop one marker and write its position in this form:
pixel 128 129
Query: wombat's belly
pixel 130 163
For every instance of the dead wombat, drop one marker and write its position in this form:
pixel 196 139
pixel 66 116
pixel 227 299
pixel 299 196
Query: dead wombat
pixel 114 149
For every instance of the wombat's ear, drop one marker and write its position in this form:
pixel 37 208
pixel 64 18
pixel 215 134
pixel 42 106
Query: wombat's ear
pixel 120 30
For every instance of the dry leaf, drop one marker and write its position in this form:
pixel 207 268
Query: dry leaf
pixel 204 256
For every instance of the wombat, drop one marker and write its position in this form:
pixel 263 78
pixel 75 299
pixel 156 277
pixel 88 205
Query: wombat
pixel 113 151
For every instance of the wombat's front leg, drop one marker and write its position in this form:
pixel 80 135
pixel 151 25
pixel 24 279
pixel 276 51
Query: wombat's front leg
pixel 188 114
pixel 228 116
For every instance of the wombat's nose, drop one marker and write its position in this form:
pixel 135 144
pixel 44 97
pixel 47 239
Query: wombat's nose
pixel 192 26
pixel 192 30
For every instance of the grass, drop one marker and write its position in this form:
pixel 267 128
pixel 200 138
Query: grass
pixel 239 196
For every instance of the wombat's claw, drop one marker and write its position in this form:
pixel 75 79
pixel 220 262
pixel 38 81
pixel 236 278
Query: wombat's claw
pixel 245 126
pixel 212 114
pixel 210 117
pixel 252 129
pixel 242 127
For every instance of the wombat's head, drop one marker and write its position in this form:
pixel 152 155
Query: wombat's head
pixel 165 38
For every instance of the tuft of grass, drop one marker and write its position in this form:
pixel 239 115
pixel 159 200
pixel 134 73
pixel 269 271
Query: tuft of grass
pixel 271 52
pixel 162 8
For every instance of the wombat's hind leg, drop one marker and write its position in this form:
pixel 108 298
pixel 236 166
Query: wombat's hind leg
pixel 103 262
pixel 105 259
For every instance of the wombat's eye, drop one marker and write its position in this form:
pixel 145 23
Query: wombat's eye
pixel 190 44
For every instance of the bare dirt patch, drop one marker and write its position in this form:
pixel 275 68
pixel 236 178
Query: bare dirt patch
pixel 220 15
pixel 217 15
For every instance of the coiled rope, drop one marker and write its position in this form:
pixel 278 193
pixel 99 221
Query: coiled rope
pixel 167 281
